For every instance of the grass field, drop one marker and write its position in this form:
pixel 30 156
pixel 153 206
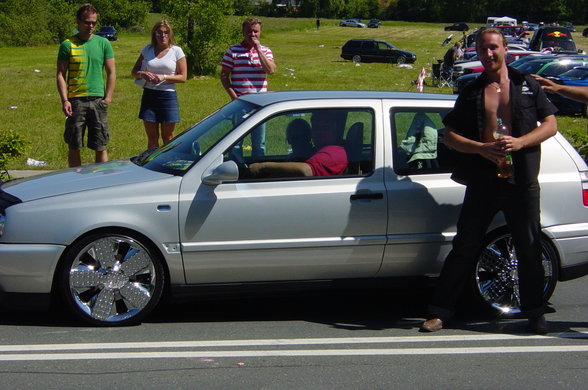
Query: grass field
pixel 306 59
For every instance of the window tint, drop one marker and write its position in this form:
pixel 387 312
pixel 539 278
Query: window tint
pixel 418 141
pixel 297 136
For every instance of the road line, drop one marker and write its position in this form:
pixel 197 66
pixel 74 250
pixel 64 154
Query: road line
pixel 285 342
pixel 296 353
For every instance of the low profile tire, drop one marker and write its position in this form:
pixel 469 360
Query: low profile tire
pixel 356 58
pixel 111 279
pixel 401 60
pixel 495 277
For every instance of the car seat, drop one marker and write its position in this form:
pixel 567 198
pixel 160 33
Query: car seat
pixel 354 148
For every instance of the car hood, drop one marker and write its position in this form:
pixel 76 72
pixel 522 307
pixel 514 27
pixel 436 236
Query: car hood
pixel 84 178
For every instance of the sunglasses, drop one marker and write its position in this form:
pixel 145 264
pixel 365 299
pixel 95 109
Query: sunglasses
pixel 89 22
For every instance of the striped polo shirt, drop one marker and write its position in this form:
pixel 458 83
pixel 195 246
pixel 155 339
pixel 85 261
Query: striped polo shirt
pixel 247 74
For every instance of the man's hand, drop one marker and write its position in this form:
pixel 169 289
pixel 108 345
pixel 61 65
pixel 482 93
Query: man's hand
pixel 492 151
pixel 66 108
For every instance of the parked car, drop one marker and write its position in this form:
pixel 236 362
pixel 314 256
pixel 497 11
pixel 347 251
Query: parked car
pixel 558 38
pixel 352 23
pixel 457 27
pixel 585 32
pixel 530 26
pixel 108 32
pixel 109 241
pixel 578 77
pixel 369 50
pixel 374 23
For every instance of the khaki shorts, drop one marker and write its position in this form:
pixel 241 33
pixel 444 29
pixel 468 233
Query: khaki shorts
pixel 90 112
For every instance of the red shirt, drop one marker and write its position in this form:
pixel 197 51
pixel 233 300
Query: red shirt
pixel 329 161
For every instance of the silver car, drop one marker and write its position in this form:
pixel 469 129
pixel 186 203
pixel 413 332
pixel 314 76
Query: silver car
pixel 352 23
pixel 109 241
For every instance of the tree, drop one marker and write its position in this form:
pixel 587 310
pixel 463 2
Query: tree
pixel 203 31
pixel 122 13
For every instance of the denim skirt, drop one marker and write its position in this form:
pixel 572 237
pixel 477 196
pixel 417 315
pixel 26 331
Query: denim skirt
pixel 159 106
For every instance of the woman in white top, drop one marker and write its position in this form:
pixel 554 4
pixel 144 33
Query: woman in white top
pixel 160 65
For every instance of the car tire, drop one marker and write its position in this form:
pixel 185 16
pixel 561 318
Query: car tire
pixel 401 60
pixel 495 278
pixel 356 58
pixel 111 278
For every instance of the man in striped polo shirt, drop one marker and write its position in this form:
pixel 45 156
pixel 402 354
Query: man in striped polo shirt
pixel 245 67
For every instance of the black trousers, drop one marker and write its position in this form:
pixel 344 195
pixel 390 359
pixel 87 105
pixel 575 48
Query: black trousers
pixel 521 208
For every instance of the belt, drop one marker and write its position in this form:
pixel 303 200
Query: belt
pixel 87 98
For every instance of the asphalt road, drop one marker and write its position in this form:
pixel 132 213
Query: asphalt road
pixel 360 340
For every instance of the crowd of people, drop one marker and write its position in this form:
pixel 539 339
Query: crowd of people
pixel 501 94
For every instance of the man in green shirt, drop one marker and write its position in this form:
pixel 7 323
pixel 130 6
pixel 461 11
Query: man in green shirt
pixel 80 82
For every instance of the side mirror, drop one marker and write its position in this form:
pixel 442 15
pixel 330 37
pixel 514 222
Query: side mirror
pixel 226 171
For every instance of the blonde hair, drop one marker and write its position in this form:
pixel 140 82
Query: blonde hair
pixel 162 23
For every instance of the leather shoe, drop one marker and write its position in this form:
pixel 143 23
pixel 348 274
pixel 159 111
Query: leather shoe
pixel 432 325
pixel 538 325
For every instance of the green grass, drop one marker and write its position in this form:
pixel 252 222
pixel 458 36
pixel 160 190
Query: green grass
pixel 306 59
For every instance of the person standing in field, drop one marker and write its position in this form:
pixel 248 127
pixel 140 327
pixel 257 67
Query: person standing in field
pixel 85 96
pixel 245 67
pixel 161 64
pixel 501 95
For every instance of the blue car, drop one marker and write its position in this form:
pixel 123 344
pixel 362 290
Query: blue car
pixel 579 77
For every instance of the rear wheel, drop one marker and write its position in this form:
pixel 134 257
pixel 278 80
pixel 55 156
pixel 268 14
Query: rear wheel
pixel 356 58
pixel 495 277
pixel 111 279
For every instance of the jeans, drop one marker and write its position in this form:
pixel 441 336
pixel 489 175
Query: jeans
pixel 521 208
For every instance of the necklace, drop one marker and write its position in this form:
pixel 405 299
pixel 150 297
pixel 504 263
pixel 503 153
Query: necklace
pixel 496 86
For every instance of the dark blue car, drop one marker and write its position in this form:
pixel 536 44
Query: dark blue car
pixel 577 76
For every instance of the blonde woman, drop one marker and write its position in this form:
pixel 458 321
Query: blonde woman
pixel 161 64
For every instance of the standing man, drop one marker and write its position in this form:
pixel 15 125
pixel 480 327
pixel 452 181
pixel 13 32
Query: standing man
pixel 245 67
pixel 499 93
pixel 80 83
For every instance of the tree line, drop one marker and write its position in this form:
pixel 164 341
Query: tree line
pixel 204 29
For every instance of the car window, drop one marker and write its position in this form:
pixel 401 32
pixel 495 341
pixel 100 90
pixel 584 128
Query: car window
pixel 188 148
pixel 294 136
pixel 368 45
pixel 418 141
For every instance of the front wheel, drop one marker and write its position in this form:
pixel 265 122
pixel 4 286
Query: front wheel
pixel 401 60
pixel 111 279
pixel 495 276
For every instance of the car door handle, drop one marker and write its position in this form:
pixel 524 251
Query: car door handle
pixel 372 195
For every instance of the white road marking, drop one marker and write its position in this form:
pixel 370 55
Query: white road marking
pixel 296 353
pixel 278 352
pixel 277 342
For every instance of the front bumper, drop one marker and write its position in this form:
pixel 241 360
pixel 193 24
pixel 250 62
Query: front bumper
pixel 28 268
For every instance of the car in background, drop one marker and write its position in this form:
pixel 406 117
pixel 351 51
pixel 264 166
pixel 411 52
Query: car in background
pixel 108 32
pixel 374 23
pixel 585 32
pixel 530 26
pixel 457 27
pixel 109 242
pixel 553 38
pixel 370 50
pixel 577 77
pixel 568 25
pixel 352 23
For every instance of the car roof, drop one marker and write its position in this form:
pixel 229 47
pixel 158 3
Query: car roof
pixel 268 98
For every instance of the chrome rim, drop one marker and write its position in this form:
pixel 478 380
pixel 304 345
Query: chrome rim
pixel 401 60
pixel 112 279
pixel 356 59
pixel 497 276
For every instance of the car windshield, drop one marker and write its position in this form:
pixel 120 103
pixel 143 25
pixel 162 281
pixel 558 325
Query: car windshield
pixel 186 149
pixel 575 74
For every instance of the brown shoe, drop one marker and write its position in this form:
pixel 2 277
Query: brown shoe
pixel 432 325
pixel 538 325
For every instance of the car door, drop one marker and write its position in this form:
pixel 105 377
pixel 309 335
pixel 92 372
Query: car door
pixel 287 228
pixel 423 202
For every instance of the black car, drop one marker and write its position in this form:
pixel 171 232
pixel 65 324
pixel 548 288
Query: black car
pixel 585 32
pixel 457 27
pixel 108 32
pixel 558 38
pixel 374 23
pixel 369 50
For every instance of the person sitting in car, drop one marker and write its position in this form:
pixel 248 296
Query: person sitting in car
pixel 329 160
pixel 299 136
